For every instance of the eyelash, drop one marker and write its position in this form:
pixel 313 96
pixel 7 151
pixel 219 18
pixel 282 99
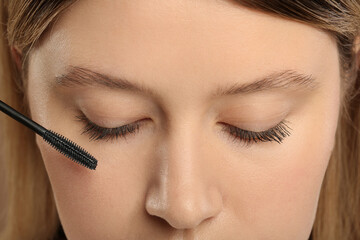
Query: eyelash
pixel 99 133
pixel 277 133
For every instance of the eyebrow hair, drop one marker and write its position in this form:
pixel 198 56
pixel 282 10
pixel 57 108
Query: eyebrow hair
pixel 286 79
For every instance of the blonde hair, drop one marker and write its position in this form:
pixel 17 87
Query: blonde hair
pixel 31 210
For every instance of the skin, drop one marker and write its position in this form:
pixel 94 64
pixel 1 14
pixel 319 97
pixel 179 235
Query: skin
pixel 181 176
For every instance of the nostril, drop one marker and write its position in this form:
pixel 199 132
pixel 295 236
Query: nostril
pixel 160 221
pixel 180 217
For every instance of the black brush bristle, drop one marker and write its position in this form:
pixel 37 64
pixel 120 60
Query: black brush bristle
pixel 70 149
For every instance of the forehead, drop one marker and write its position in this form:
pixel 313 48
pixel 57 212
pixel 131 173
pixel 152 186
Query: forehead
pixel 212 40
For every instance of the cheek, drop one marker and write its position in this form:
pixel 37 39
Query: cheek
pixel 282 197
pixel 92 204
pixel 294 189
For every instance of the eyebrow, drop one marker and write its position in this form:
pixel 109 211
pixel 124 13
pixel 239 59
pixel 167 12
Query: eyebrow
pixel 286 80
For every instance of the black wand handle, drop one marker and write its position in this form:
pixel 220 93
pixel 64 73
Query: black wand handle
pixel 22 119
pixel 57 141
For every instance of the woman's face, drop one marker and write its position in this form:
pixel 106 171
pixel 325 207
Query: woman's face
pixel 183 175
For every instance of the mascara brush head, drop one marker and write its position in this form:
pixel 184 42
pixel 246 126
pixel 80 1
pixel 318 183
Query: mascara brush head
pixel 70 149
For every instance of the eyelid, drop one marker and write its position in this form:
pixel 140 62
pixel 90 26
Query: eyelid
pixel 259 121
pixel 83 118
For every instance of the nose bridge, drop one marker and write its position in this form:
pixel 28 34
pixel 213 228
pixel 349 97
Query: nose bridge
pixel 182 194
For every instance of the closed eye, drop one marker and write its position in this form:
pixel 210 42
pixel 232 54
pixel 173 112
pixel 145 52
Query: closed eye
pixel 276 133
pixel 96 132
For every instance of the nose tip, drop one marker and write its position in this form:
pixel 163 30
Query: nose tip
pixel 184 211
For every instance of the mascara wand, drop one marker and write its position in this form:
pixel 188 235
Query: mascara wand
pixel 57 141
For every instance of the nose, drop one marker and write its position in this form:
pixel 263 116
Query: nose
pixel 184 191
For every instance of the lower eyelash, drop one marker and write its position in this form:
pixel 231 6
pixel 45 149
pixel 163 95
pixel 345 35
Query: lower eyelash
pixel 277 133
